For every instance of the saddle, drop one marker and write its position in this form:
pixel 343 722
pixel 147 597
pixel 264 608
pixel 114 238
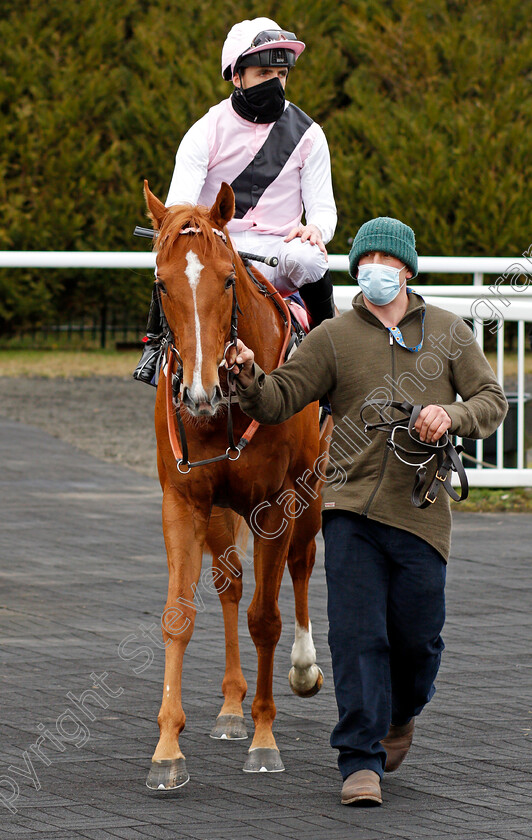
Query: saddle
pixel 299 322
pixel 444 453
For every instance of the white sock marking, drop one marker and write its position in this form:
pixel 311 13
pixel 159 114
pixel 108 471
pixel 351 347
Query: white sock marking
pixel 304 672
pixel 303 650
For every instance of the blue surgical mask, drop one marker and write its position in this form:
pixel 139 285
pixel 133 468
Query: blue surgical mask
pixel 379 283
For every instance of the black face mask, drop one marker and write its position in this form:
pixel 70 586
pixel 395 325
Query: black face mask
pixel 262 103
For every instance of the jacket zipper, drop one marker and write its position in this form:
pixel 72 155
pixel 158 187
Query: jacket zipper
pixel 386 451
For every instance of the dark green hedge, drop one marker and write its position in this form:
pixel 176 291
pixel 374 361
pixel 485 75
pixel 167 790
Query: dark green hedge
pixel 426 106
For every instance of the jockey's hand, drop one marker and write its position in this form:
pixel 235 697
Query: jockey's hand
pixel 246 358
pixel 307 233
pixel 432 422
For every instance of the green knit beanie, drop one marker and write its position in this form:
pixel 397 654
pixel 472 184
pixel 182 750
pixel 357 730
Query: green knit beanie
pixel 388 235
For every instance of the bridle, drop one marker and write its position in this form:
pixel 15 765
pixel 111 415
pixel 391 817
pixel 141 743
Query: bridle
pixel 173 364
pixel 445 454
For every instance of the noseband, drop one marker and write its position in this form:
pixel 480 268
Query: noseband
pixel 445 454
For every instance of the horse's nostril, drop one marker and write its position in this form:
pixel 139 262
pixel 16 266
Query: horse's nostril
pixel 187 398
pixel 217 396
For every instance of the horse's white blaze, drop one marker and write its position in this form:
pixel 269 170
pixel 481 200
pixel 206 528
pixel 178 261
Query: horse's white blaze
pixel 305 672
pixel 193 273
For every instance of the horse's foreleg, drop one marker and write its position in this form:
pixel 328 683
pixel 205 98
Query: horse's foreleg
pixel 264 620
pixel 184 530
pixel 224 540
pixel 305 677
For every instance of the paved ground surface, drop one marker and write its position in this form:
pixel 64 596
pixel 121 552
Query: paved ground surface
pixel 110 417
pixel 82 568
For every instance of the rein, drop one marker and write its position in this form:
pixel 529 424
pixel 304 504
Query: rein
pixel 173 370
pixel 180 446
pixel 445 454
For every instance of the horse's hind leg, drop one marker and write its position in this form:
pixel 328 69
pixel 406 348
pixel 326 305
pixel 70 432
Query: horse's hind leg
pixel 224 539
pixel 184 529
pixel 305 677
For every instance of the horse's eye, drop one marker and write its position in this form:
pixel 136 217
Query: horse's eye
pixel 161 287
pixel 230 281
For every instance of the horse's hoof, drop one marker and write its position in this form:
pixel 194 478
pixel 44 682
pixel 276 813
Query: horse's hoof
pixel 300 685
pixel 167 774
pixel 230 728
pixel 263 760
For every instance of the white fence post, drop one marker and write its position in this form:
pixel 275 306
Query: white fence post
pixel 520 394
pixel 500 377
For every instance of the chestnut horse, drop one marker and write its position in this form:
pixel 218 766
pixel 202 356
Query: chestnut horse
pixel 203 284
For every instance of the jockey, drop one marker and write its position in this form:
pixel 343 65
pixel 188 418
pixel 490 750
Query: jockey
pixel 277 161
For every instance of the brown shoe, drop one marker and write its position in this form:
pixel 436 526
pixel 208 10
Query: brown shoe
pixel 397 743
pixel 362 788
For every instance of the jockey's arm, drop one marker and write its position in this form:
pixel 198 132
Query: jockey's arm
pixel 317 194
pixel 191 163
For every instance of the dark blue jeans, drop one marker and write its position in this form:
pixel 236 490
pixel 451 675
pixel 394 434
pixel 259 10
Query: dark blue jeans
pixel 386 608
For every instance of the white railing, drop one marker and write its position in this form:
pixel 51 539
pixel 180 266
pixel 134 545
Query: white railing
pixel 507 298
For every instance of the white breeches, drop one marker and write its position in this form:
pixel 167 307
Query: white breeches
pixel 299 262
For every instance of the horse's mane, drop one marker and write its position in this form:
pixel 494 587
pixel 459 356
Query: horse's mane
pixel 178 218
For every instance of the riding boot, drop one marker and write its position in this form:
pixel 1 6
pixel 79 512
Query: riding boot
pixel 318 298
pixel 147 369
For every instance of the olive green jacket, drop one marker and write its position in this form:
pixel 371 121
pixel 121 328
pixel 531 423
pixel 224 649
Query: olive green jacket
pixel 354 358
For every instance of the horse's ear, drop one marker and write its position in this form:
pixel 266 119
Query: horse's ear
pixel 223 209
pixel 156 209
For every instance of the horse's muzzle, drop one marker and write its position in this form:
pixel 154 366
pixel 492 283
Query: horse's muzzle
pixel 201 404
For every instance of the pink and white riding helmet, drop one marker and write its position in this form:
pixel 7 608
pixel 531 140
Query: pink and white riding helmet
pixel 250 37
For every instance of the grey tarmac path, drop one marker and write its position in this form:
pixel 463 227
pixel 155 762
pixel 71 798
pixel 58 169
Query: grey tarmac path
pixel 83 576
